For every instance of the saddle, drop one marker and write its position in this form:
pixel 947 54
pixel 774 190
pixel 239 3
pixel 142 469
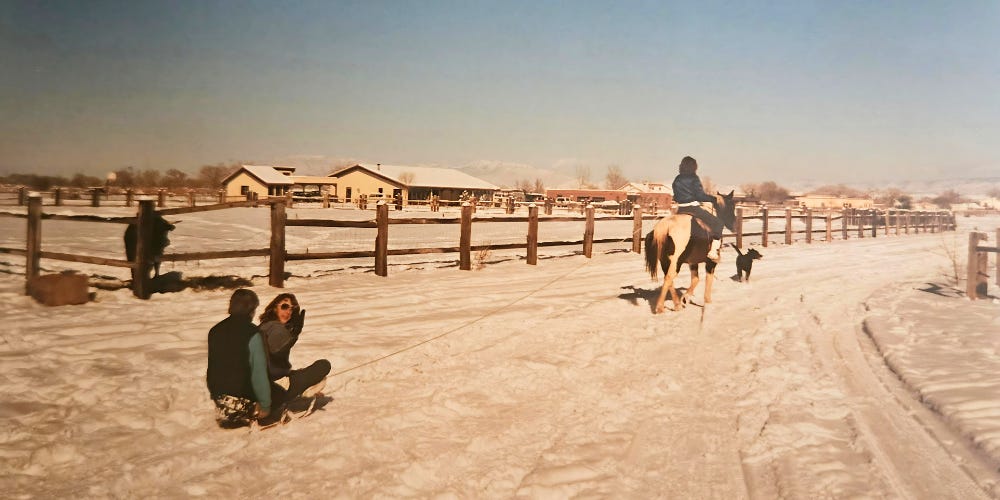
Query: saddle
pixel 700 230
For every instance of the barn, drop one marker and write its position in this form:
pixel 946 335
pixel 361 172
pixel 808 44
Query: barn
pixel 409 183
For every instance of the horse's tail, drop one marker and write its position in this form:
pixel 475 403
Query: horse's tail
pixel 652 255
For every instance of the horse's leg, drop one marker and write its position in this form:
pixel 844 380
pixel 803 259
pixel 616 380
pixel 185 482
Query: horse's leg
pixel 668 285
pixel 689 294
pixel 709 278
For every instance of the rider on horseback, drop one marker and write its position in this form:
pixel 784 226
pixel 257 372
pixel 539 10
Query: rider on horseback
pixel 688 194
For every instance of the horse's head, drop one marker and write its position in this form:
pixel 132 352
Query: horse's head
pixel 725 209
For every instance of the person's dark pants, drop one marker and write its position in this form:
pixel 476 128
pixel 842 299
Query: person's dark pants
pixel 713 222
pixel 299 381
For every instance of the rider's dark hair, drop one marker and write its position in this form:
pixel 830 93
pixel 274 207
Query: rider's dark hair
pixel 689 165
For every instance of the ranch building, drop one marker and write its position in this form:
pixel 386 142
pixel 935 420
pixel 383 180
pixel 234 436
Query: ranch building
pixel 264 181
pixel 645 193
pixel 409 183
pixel 830 201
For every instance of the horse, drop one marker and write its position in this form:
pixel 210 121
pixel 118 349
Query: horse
pixel 160 241
pixel 680 239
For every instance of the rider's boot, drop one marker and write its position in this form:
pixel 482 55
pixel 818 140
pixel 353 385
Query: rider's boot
pixel 714 253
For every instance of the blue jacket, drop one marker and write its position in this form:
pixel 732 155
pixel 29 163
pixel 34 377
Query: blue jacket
pixel 687 188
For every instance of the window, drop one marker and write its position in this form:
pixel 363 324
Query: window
pixel 244 190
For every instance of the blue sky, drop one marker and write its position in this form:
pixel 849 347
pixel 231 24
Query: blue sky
pixel 834 91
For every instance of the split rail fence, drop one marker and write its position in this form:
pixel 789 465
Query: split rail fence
pixel 866 222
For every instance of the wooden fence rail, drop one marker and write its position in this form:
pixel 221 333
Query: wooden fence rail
pixel 866 222
pixel 146 212
pixel 278 254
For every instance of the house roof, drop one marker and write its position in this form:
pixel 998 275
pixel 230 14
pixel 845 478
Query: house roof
pixel 265 174
pixel 647 187
pixel 422 176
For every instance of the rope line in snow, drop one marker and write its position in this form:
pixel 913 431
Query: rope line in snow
pixel 464 325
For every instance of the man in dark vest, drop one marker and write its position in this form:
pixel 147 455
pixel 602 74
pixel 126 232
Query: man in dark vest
pixel 237 365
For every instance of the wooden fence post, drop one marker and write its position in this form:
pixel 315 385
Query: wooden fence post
pixel 861 223
pixel 637 229
pixel 829 226
pixel 764 221
pixel 141 284
pixel 161 198
pixel 32 264
pixel 276 273
pixel 532 234
pixel 22 196
pixel 382 239
pixel 58 196
pixel 465 239
pixel 190 198
pixel 906 222
pixel 326 200
pixel 873 215
pixel 886 220
pixel 95 197
pixel 588 233
pixel 129 195
pixel 788 226
pixel 973 275
pixel 809 225
pixel 843 223
pixel 739 227
pixel 222 196
pixel 548 206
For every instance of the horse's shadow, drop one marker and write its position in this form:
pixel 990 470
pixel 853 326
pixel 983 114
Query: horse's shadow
pixel 634 295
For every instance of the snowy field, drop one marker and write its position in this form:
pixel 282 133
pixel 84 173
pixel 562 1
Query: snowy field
pixel 851 369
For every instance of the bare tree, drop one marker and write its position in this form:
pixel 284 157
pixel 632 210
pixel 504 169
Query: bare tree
pixel 582 176
pixel 614 179
pixel 766 191
pixel 406 178
pixel 539 186
pixel 708 185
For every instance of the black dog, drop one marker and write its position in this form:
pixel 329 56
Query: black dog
pixel 744 262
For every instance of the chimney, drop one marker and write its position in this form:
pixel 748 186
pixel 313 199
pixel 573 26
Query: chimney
pixel 378 166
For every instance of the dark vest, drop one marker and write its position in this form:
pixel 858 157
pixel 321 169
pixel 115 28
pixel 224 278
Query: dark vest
pixel 229 358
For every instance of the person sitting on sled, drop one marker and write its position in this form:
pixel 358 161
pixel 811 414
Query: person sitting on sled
pixel 280 324
pixel 688 194
pixel 237 365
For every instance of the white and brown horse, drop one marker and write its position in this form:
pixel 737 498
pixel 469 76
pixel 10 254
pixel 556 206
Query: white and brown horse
pixel 678 239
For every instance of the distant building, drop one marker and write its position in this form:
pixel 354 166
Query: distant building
pixel 833 202
pixel 410 183
pixel 265 181
pixel 646 193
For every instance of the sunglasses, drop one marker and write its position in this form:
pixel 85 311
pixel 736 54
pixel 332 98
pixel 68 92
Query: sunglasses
pixel 285 307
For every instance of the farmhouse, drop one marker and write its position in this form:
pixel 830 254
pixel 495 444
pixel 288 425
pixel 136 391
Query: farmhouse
pixel 263 181
pixel 408 183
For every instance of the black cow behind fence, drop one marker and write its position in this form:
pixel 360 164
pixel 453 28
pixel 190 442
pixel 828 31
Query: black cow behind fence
pixel 160 241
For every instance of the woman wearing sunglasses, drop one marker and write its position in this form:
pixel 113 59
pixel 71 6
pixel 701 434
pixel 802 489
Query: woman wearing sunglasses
pixel 280 324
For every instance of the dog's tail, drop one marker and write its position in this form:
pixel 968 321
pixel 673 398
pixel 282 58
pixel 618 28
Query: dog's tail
pixel 737 248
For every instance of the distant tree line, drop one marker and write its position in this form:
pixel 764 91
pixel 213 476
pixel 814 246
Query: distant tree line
pixel 208 176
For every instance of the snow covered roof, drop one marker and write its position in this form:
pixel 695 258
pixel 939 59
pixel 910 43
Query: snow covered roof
pixel 647 187
pixel 267 174
pixel 423 176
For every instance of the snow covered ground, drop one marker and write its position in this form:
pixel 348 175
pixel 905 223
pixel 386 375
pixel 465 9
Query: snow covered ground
pixel 845 369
